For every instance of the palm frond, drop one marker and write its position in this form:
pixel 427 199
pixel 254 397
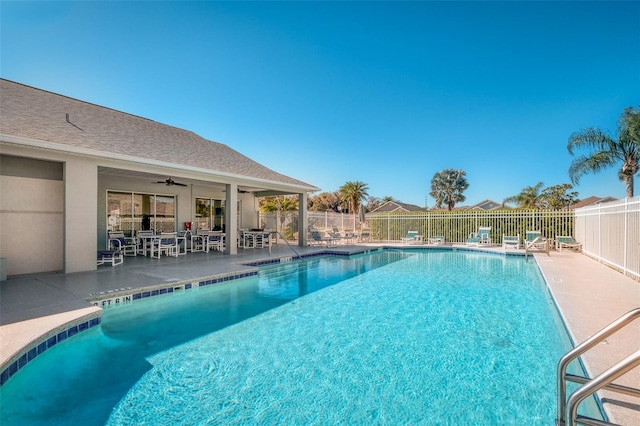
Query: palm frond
pixel 590 137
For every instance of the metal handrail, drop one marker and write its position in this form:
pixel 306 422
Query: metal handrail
pixel 533 243
pixel 603 381
pixel 283 239
pixel 597 383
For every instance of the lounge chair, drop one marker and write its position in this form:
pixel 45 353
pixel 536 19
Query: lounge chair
pixel 412 237
pixel 567 242
pixel 436 240
pixel 317 240
pixel 480 238
pixel 365 235
pixel 512 241
pixel 335 235
pixel 348 237
pixel 125 245
pixel 535 241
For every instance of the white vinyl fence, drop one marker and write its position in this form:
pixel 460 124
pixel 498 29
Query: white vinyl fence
pixel 610 232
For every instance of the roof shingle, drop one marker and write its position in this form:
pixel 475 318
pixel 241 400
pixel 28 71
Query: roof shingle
pixel 36 114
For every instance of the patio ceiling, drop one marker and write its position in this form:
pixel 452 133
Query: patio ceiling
pixel 258 191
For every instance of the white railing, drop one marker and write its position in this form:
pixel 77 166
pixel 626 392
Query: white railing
pixel 610 233
pixel 456 226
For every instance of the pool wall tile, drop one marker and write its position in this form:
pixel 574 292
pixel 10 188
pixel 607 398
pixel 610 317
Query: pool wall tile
pixel 41 345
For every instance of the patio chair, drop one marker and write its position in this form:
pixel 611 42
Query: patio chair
pixel 114 257
pixel 480 238
pixel 567 242
pixel 262 239
pixel 125 245
pixel 510 241
pixel 317 240
pixel 167 244
pixel 535 241
pixel 348 237
pixel 199 240
pixel 436 240
pixel 214 240
pixel 365 235
pixel 412 237
pixel 335 235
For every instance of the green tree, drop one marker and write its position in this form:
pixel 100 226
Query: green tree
pixel 280 203
pixel 607 152
pixel 353 194
pixel 528 198
pixel 556 197
pixel 323 202
pixel 447 187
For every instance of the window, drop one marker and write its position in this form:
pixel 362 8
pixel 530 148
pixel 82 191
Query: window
pixel 209 214
pixel 130 212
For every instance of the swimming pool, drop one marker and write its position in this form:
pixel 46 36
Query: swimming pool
pixel 436 337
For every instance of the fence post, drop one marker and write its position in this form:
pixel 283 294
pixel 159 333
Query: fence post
pixel 624 249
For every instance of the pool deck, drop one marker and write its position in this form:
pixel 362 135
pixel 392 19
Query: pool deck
pixel 589 295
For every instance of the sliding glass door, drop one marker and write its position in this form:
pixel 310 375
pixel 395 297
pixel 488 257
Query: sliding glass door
pixel 130 212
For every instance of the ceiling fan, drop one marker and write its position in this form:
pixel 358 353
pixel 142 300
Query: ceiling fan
pixel 171 182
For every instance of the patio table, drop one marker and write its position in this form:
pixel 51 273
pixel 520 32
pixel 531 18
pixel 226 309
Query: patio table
pixel 148 243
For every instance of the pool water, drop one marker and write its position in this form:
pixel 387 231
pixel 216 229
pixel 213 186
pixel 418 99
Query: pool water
pixel 436 337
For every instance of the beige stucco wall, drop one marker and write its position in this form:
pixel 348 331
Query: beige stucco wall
pixel 31 224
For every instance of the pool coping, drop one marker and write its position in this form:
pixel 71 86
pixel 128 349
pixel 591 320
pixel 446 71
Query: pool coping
pixel 36 335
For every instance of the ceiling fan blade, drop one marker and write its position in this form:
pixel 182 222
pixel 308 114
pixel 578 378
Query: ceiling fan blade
pixel 179 184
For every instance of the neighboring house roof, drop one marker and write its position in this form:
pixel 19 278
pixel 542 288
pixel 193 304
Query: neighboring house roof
pixel 590 201
pixel 38 115
pixel 397 206
pixel 483 205
pixel 486 205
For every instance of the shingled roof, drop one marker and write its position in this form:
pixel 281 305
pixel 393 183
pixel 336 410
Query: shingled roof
pixel 36 114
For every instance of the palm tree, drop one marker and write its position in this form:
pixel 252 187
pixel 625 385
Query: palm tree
pixel 354 193
pixel 608 152
pixel 529 198
pixel 447 187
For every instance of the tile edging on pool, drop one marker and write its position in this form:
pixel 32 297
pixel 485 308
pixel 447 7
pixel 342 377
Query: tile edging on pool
pixel 46 341
pixel 125 296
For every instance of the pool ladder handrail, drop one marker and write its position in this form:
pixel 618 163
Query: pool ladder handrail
pixel 283 239
pixel 533 243
pixel 568 409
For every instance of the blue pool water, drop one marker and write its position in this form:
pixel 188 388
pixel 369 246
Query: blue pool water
pixel 439 337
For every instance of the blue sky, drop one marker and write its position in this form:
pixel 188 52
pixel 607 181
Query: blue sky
pixel 387 93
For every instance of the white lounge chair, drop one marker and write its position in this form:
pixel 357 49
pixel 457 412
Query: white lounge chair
pixel 535 241
pixel 412 237
pixel 511 241
pixel 567 242
pixel 480 238
pixel 317 239
pixel 436 240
